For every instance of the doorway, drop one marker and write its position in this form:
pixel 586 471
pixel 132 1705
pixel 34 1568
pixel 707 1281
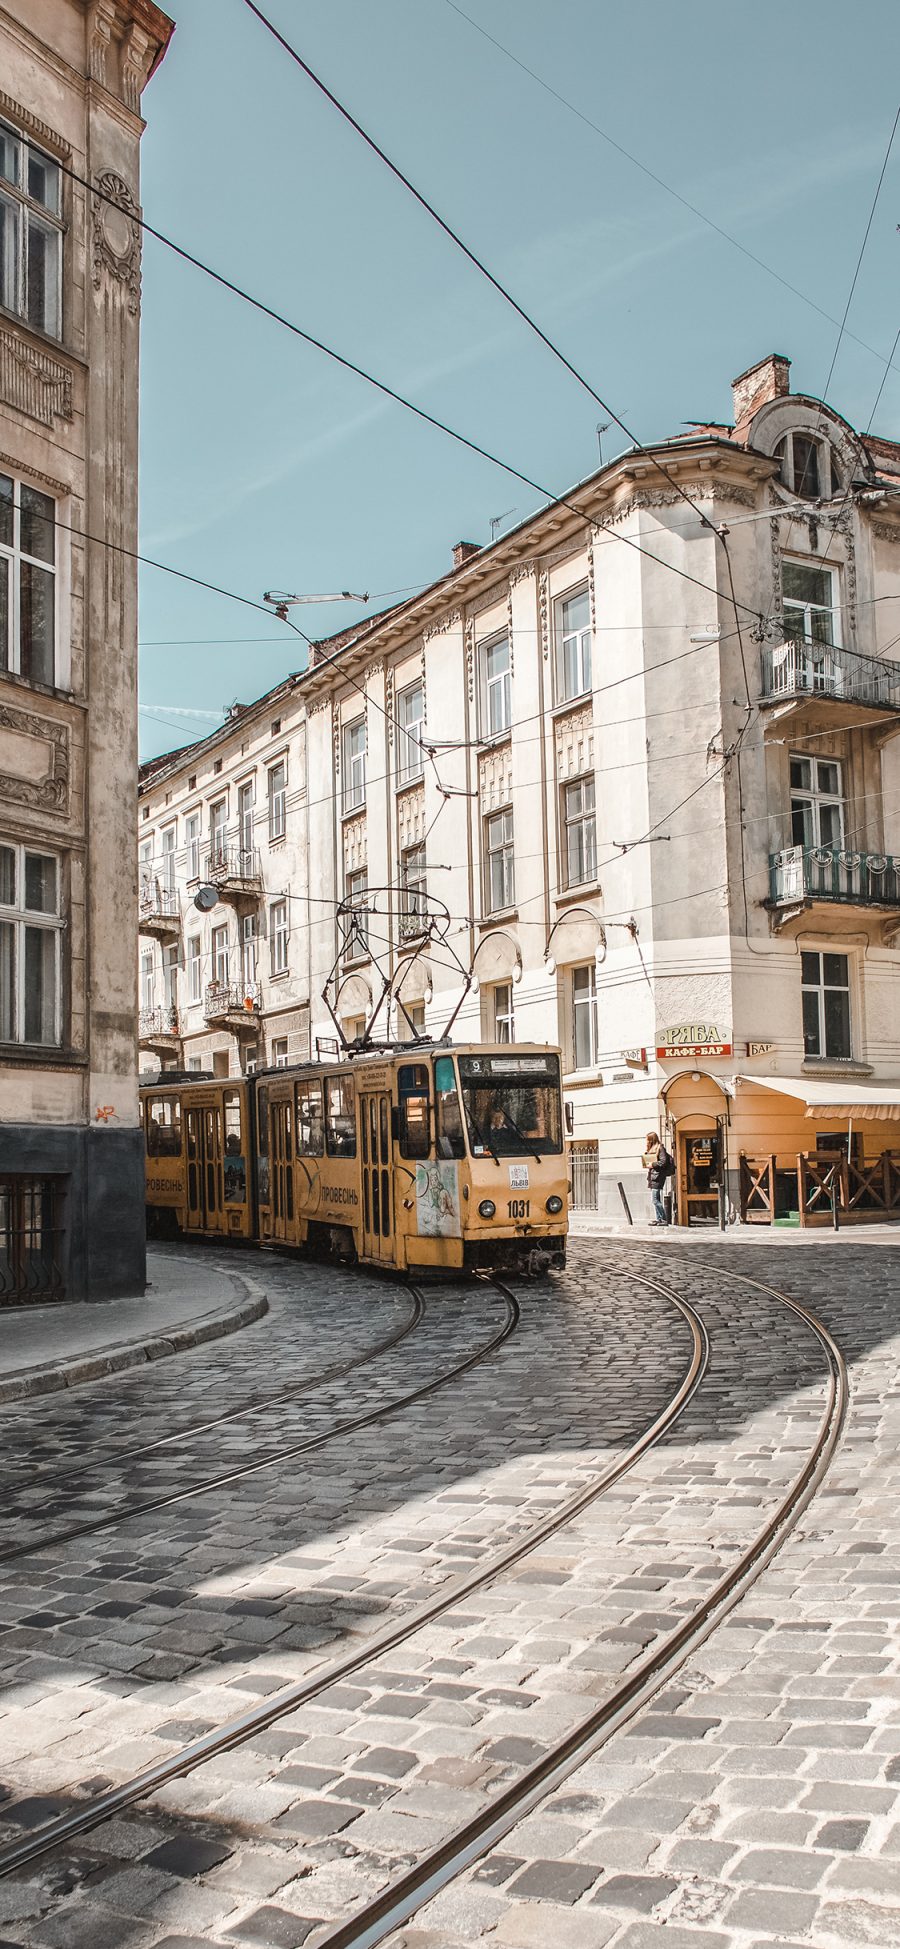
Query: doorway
pixel 699 1175
pixel 375 1148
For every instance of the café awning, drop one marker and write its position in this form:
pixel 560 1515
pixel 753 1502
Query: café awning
pixel 825 1097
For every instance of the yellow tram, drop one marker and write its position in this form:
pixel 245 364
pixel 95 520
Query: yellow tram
pixel 418 1156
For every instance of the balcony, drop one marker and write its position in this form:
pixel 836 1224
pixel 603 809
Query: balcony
pixel 232 1005
pixel 234 871
pixel 158 1028
pixel 802 874
pixel 158 912
pixel 801 672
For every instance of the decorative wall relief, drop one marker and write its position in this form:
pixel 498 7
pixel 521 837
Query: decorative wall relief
pixel 495 777
pixel 411 817
pixel 117 236
pixel 575 744
pixel 354 845
pixel 544 607
pixel 34 760
pixel 33 382
pixel 470 658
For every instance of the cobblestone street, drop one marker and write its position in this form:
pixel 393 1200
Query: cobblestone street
pixel 165 1572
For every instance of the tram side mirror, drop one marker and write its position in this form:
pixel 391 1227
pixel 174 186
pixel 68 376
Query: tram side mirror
pixel 570 1119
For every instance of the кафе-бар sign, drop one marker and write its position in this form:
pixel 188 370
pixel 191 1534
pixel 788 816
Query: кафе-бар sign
pixel 692 1039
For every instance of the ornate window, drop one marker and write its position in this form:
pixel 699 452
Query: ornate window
pixel 808 466
pixel 27 581
pixel 411 719
pixel 30 946
pixel 580 823
pixel 826 1005
pixel 495 687
pixel 30 233
pixel 572 646
pixel 499 863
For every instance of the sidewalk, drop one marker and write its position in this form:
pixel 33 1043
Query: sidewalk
pixel 587 1224
pixel 188 1301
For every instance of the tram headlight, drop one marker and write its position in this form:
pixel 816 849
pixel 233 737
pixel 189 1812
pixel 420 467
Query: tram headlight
pixel 487 1208
pixel 554 1205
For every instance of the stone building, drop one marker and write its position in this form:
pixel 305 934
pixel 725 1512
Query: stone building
pixel 225 989
pixel 657 816
pixel 72 74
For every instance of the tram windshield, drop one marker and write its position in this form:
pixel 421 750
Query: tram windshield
pixel 512 1105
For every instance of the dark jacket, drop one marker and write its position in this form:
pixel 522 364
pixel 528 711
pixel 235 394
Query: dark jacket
pixel 662 1168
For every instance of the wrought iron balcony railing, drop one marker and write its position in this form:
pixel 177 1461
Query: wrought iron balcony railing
pixel 154 1023
pixel 230 1000
pixel 232 866
pixel 801 669
pixel 834 873
pixel 157 904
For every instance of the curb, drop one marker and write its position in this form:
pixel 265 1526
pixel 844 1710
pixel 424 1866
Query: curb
pixel 25 1383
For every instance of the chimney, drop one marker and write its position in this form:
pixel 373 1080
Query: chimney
pixel 463 552
pixel 770 379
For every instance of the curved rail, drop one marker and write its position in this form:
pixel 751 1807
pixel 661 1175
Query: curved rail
pixel 334 1373
pixel 248 1724
pixel 126 1511
pixel 392 1908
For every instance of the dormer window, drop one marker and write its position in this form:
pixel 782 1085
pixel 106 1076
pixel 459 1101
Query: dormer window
pixel 807 466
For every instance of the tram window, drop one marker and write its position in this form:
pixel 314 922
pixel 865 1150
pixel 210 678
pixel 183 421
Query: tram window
pixel 262 1144
pixel 163 1126
pixel 309 1117
pixel 232 1123
pixel 340 1124
pixel 235 1163
pixel 412 1085
pixel 450 1139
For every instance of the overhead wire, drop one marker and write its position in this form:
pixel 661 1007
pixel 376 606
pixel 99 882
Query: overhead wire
pixel 660 181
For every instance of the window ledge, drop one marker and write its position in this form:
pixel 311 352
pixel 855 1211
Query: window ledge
pixel 356 961
pixel 498 919
pixel 408 784
pixel 351 811
pixel 34 689
pixel 572 704
pixel 38 1055
pixel 281 975
pixel 277 838
pixel 43 341
pixel 591 890
pixel 582 1079
pixel 493 743
pixel 835 1066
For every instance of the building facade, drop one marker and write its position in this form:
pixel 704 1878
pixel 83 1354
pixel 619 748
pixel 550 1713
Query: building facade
pixel 224 986
pixel 71 1197
pixel 629 780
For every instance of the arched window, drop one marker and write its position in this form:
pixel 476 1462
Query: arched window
pixel 808 466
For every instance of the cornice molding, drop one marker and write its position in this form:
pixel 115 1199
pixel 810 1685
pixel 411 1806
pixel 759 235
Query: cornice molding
pixel 33 126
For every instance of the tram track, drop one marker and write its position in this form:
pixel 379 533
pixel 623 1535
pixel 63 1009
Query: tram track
pixel 126 1512
pixel 259 1718
pixel 395 1905
pixel 337 1372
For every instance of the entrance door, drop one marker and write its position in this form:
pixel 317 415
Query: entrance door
pixel 204 1169
pixel 699 1176
pixel 282 1167
pixel 375 1152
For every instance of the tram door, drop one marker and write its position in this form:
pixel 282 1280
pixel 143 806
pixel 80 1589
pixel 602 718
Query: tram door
pixel 282 1167
pixel 375 1154
pixel 204 1169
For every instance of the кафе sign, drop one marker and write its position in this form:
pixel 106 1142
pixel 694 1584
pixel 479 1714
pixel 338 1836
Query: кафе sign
pixel 692 1039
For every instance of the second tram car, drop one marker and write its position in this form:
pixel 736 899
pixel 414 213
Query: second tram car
pixel 437 1156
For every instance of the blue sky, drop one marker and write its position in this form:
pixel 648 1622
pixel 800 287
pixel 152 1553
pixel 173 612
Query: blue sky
pixel 264 466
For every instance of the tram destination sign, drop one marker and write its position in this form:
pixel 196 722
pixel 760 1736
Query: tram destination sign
pixel 692 1039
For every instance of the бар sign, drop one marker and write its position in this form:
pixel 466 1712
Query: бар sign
pixel 692 1039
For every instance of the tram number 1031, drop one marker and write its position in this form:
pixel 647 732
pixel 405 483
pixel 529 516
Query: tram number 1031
pixel 519 1207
